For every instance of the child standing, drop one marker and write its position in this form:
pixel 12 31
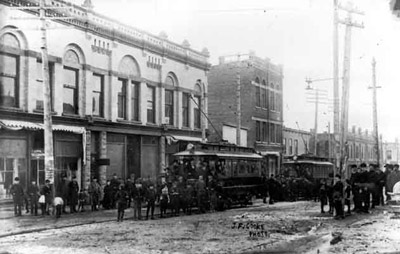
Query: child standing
pixel 151 199
pixel 164 200
pixel 81 201
pixel 121 197
pixel 58 204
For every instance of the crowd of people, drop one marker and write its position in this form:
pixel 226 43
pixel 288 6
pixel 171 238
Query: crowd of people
pixel 364 190
pixel 174 190
pixel 184 186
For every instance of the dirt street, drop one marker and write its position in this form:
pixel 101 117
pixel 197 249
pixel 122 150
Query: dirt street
pixel 286 227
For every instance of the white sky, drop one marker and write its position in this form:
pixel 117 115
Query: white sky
pixel 295 33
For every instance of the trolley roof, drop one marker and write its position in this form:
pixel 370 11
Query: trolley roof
pixel 308 162
pixel 223 154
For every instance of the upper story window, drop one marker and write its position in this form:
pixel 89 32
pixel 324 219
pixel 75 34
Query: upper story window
pixel 197 112
pixel 129 74
pixel 9 71
pixel 169 107
pixel 135 101
pixel 264 99
pixel 290 147
pixel 71 82
pixel 258 131
pixel 197 106
pixel 296 146
pixel 151 108
pixel 98 95
pixel 121 102
pixel 258 93
pixel 185 109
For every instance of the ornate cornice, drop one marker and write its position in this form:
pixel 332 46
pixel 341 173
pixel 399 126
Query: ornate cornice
pixel 92 22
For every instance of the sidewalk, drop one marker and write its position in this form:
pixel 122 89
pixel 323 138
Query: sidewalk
pixel 27 223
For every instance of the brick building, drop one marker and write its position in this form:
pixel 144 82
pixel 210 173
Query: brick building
pixel 295 142
pixel 260 102
pixel 123 100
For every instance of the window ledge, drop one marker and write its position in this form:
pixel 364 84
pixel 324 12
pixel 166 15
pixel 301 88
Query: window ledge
pixel 38 111
pixel 186 128
pixel 71 115
pixel 152 124
pixel 11 109
pixel 128 122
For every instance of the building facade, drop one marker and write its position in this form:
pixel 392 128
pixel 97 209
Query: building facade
pixel 295 142
pixel 260 105
pixel 360 147
pixel 123 100
pixel 391 152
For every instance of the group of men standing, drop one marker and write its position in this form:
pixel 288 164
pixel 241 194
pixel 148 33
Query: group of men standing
pixel 365 189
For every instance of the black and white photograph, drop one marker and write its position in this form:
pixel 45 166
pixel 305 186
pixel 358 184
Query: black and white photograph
pixel 199 126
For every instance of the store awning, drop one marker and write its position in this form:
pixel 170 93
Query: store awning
pixel 176 138
pixel 67 128
pixel 265 153
pixel 19 125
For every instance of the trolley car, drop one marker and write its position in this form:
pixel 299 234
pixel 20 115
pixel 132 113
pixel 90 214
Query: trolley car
pixel 236 169
pixel 307 166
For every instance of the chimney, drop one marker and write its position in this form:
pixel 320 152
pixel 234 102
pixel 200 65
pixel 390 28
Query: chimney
pixel 359 131
pixel 353 129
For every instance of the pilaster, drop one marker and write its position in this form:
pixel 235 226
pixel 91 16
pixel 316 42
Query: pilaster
pixel 103 155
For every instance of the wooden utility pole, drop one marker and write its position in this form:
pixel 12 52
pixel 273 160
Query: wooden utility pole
pixel 238 110
pixel 317 102
pixel 375 110
pixel 348 22
pixel 336 120
pixel 47 120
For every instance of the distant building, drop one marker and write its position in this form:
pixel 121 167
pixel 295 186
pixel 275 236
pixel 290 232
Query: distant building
pixel 295 141
pixel 260 103
pixel 360 147
pixel 391 152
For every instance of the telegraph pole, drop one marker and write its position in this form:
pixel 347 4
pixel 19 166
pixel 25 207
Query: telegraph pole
pixel 336 120
pixel 316 121
pixel 238 110
pixel 348 22
pixel 47 120
pixel 375 110
pixel 317 102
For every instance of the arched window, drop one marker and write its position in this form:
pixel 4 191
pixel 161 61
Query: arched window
pixel 9 71
pixel 71 82
pixel 129 72
pixel 169 105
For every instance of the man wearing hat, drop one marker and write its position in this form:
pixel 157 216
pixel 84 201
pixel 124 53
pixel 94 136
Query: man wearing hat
pixel 354 180
pixel 18 195
pixel 364 192
pixel 388 170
